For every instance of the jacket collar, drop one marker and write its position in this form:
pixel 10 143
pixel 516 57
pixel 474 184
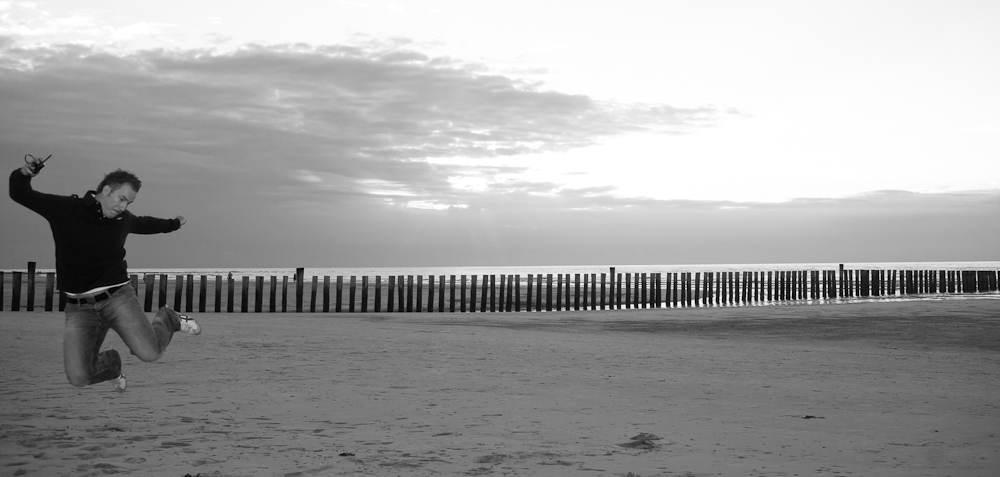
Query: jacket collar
pixel 91 205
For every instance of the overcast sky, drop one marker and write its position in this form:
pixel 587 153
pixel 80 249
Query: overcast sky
pixel 437 133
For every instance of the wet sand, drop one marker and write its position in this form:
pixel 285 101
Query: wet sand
pixel 893 388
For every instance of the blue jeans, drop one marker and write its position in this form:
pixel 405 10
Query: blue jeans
pixel 87 325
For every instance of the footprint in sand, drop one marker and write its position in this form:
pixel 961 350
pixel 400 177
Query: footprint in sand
pixel 174 444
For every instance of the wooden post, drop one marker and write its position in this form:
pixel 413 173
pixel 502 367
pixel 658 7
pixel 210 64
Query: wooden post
pixel 825 283
pixel 202 293
pixel 364 294
pixel 682 278
pixel 218 294
pixel 326 294
pixel 628 291
pixel 559 292
pixel 284 293
pixel 189 299
pixel 729 283
pixel 230 291
pixel 688 289
pixel 789 285
pixel 516 283
pixel 352 293
pixel 245 295
pixel 510 293
pixel 312 294
pixel 603 290
pixel 710 289
pixel 148 282
pixel 692 289
pixel 493 293
pixel 485 294
pixel 585 300
pixel 461 299
pixel 698 291
pixel 768 293
pixel 472 295
pixel 548 292
pixel 706 288
pixel 15 291
pixel 430 293
pixel 501 290
pixel 178 291
pixel 668 289
pixel 392 293
pixel 451 306
pixel 50 282
pixel 402 293
pixel 841 280
pixel 272 298
pixel 441 293
pixel 538 294
pixel 615 292
pixel 593 291
pixel 30 302
pixel 746 287
pixel 420 292
pixel 734 288
pixel 801 285
pixel 527 302
pixel 409 293
pixel 299 288
pixel 784 285
pixel 576 292
pixel 258 302
pixel 378 292
pixel 338 294
pixel 441 296
pixel 672 287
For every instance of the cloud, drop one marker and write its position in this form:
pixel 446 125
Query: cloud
pixel 375 111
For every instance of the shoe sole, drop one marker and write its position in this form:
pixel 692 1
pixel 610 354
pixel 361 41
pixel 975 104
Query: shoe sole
pixel 192 330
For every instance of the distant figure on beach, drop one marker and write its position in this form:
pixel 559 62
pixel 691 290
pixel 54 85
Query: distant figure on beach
pixel 90 235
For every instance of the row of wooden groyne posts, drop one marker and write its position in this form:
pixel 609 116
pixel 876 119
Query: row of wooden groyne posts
pixel 508 293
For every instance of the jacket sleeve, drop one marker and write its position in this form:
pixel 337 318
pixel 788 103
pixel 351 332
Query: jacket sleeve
pixel 22 193
pixel 152 225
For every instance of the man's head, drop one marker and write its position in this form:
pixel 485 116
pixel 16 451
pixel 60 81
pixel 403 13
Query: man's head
pixel 116 192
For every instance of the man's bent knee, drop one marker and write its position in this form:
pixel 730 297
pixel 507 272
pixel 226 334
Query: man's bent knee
pixel 148 356
pixel 78 381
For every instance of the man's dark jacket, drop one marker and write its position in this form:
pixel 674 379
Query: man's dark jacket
pixel 90 249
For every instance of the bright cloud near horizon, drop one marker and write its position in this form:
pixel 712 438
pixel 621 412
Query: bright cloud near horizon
pixel 546 132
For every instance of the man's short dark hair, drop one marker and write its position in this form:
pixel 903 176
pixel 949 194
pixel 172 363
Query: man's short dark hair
pixel 118 178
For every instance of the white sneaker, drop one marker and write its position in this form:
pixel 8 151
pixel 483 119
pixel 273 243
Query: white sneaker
pixel 120 383
pixel 189 326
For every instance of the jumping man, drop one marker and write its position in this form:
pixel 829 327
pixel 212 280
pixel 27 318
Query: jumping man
pixel 90 235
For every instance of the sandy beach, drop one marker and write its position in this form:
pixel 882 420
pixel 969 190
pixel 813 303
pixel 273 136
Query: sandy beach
pixel 868 389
